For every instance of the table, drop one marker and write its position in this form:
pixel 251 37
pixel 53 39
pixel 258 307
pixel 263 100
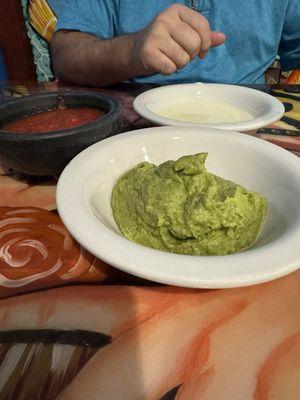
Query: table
pixel 73 327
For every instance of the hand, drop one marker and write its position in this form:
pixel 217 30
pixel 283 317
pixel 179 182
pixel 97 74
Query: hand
pixel 173 39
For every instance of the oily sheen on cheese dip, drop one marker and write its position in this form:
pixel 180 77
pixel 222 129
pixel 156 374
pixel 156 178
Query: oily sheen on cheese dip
pixel 180 207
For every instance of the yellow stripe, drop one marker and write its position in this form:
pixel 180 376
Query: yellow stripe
pixel 42 18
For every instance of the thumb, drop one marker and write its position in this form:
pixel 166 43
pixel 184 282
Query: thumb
pixel 217 38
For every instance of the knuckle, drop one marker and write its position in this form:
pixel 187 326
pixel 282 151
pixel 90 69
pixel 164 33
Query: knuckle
pixel 159 23
pixel 194 43
pixel 163 24
pixel 183 60
pixel 175 8
pixel 160 29
pixel 157 30
pixel 203 21
pixel 168 68
pixel 147 51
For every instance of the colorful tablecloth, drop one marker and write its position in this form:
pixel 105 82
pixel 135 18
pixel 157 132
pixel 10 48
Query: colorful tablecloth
pixel 73 327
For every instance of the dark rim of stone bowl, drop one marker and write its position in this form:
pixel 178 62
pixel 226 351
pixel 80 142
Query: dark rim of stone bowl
pixel 114 111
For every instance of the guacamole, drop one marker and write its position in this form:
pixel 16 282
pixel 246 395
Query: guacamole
pixel 180 207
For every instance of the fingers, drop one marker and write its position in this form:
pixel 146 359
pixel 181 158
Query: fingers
pixel 190 30
pixel 155 61
pixel 200 25
pixel 187 38
pixel 176 54
pixel 174 38
pixel 217 38
pixel 164 64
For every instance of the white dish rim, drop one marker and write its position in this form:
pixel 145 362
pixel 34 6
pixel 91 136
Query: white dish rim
pixel 276 112
pixel 136 259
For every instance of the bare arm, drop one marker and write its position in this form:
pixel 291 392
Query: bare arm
pixel 171 41
pixel 87 60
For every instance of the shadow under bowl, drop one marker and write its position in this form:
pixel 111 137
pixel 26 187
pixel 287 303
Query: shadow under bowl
pixel 45 154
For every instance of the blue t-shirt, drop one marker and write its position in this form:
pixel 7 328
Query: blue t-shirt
pixel 256 30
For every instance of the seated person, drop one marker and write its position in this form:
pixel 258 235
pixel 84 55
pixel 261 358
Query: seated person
pixel 101 42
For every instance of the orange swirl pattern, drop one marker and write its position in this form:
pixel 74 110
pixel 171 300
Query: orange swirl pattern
pixel 37 251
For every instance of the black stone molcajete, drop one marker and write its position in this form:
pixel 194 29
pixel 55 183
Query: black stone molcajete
pixel 48 153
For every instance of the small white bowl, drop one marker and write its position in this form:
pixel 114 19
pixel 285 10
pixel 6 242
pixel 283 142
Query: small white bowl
pixel 262 108
pixel 84 195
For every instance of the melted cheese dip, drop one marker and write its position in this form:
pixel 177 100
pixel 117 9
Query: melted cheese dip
pixel 204 111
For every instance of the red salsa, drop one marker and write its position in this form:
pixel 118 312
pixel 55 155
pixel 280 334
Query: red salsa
pixel 53 120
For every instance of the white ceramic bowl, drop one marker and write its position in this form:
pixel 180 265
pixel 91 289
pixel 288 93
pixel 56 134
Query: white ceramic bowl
pixel 263 109
pixel 84 193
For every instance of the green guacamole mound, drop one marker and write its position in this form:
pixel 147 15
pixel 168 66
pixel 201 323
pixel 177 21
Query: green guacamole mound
pixel 180 207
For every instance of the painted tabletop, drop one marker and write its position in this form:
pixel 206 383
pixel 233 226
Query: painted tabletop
pixel 73 327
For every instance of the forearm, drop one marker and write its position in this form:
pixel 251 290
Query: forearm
pixel 170 42
pixel 87 60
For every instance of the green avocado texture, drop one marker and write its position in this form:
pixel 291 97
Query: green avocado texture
pixel 180 207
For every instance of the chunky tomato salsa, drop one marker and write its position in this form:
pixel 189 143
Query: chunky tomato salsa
pixel 53 120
